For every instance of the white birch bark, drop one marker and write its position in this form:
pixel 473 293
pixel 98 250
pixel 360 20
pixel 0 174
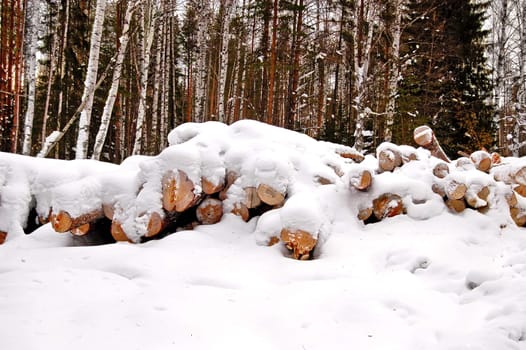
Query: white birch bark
pixel 90 81
pixel 394 71
pixel 112 94
pixel 156 116
pixel 148 23
pixel 502 21
pixel 361 68
pixel 201 76
pixel 32 18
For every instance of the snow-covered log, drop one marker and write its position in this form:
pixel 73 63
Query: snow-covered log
pixel 425 137
pixel 281 182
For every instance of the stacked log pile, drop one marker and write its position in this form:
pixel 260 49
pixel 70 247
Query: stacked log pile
pixel 254 170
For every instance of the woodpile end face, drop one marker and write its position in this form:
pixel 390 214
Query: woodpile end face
pixel 180 197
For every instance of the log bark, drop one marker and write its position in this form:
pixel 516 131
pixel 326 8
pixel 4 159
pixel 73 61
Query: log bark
pixel 362 180
pixel 425 137
pixel 209 211
pixel 3 237
pixel 387 205
pixel 300 242
pixel 63 222
pixel 269 195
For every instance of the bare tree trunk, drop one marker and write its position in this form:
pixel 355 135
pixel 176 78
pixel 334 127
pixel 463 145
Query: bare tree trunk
pixel 223 58
pixel 112 94
pixel 148 23
pixel 156 116
pixel 91 80
pixel 394 70
pixel 292 112
pixel 32 19
pixel 273 58
pixel 362 53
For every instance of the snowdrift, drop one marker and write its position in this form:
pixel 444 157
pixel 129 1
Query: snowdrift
pixel 284 181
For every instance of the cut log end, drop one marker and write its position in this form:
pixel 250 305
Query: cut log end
pixel 61 222
pixel 455 190
pixel 118 233
pixel 362 181
pixel 272 241
pixel 3 237
pixel 389 159
pixel 269 195
pixel 210 187
pixel 108 211
pixel 252 199
pixel 241 210
pixel 456 205
pixel 441 170
pixel 156 223
pixel 210 211
pixel 423 135
pixel 81 230
pixel 178 194
pixel 299 242
pixel 387 205
pixel 518 216
pixel 355 156
pixel 482 160
pixel 365 213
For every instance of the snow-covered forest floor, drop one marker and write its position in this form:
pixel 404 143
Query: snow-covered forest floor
pixel 450 282
pixel 427 279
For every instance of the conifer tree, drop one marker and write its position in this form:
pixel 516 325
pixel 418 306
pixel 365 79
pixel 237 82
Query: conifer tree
pixel 446 83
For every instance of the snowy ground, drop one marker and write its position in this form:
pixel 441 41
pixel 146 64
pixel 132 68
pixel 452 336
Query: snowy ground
pixel 449 282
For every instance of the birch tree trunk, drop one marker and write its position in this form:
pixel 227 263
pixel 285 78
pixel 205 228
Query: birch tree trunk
pixel 394 70
pixel 156 116
pixel 502 23
pixel 148 19
pixel 91 80
pixel 112 94
pixel 201 74
pixel 32 18
pixel 362 53
pixel 223 60
pixel 273 58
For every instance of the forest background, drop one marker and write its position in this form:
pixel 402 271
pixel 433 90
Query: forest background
pixel 105 79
